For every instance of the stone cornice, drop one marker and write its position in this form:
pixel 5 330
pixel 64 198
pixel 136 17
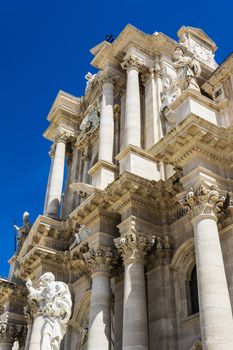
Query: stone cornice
pixel 194 135
pixel 103 164
pixel 221 73
pixel 139 151
pixel 201 99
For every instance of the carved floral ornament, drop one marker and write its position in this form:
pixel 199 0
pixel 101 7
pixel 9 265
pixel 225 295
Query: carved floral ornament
pixel 203 201
pixel 99 260
pixel 131 62
pixel 64 136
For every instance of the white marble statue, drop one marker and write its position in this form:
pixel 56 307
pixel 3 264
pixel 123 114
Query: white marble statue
pixel 55 303
pixel 188 70
pixel 90 79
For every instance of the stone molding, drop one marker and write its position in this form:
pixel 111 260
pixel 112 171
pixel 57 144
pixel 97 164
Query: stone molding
pixel 202 201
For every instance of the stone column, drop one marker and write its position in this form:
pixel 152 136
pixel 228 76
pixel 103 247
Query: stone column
pixel 133 247
pixel 99 334
pixel 153 88
pixel 86 165
pixel 51 154
pixel 56 183
pixel 132 108
pixel 106 130
pixel 214 301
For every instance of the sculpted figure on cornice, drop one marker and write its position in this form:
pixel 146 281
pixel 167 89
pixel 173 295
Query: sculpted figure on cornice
pixel 91 120
pixel 188 70
pixel 81 233
pixel 23 230
pixel 90 80
pixel 55 303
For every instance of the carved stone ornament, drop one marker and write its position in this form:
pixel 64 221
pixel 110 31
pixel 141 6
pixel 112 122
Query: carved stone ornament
pixel 106 77
pixel 131 62
pixel 133 246
pixel 91 120
pixel 161 250
pixel 202 201
pixel 201 52
pixel 64 136
pixel 99 260
pixel 55 303
pixel 188 70
pixel 170 92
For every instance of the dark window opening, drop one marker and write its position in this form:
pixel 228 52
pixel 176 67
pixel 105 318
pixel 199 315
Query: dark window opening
pixel 194 292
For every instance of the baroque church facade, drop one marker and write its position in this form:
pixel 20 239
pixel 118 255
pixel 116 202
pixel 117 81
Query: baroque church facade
pixel 138 210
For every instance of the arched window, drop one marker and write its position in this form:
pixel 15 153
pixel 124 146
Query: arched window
pixel 193 292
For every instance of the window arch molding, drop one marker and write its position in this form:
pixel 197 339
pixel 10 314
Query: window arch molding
pixel 183 263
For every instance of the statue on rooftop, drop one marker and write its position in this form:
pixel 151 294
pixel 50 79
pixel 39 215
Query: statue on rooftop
pixel 188 70
pixel 90 79
pixel 23 230
pixel 55 303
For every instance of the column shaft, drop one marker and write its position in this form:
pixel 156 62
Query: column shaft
pixel 153 127
pixel 48 186
pixel 55 190
pixel 135 331
pixel 132 112
pixel 106 132
pixel 99 318
pixel 215 307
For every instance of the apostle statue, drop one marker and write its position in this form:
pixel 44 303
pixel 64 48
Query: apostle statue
pixel 188 70
pixel 55 304
pixel 23 230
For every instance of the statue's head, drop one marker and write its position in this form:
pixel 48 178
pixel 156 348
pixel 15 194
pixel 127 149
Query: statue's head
pixel 178 52
pixel 25 216
pixel 47 278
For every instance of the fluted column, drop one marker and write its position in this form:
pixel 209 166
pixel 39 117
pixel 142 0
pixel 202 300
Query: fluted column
pixel 132 107
pixel 99 334
pixel 56 182
pixel 133 247
pixel 214 301
pixel 106 130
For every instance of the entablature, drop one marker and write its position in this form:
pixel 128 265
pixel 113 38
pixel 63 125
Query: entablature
pixel 194 136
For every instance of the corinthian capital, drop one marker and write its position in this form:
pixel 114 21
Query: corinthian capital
pixel 99 260
pixel 131 61
pixel 64 136
pixel 107 77
pixel 202 201
pixel 133 246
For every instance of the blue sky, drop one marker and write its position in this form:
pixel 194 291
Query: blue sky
pixel 45 47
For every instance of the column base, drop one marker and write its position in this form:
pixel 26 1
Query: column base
pixel 103 173
pixel 139 162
